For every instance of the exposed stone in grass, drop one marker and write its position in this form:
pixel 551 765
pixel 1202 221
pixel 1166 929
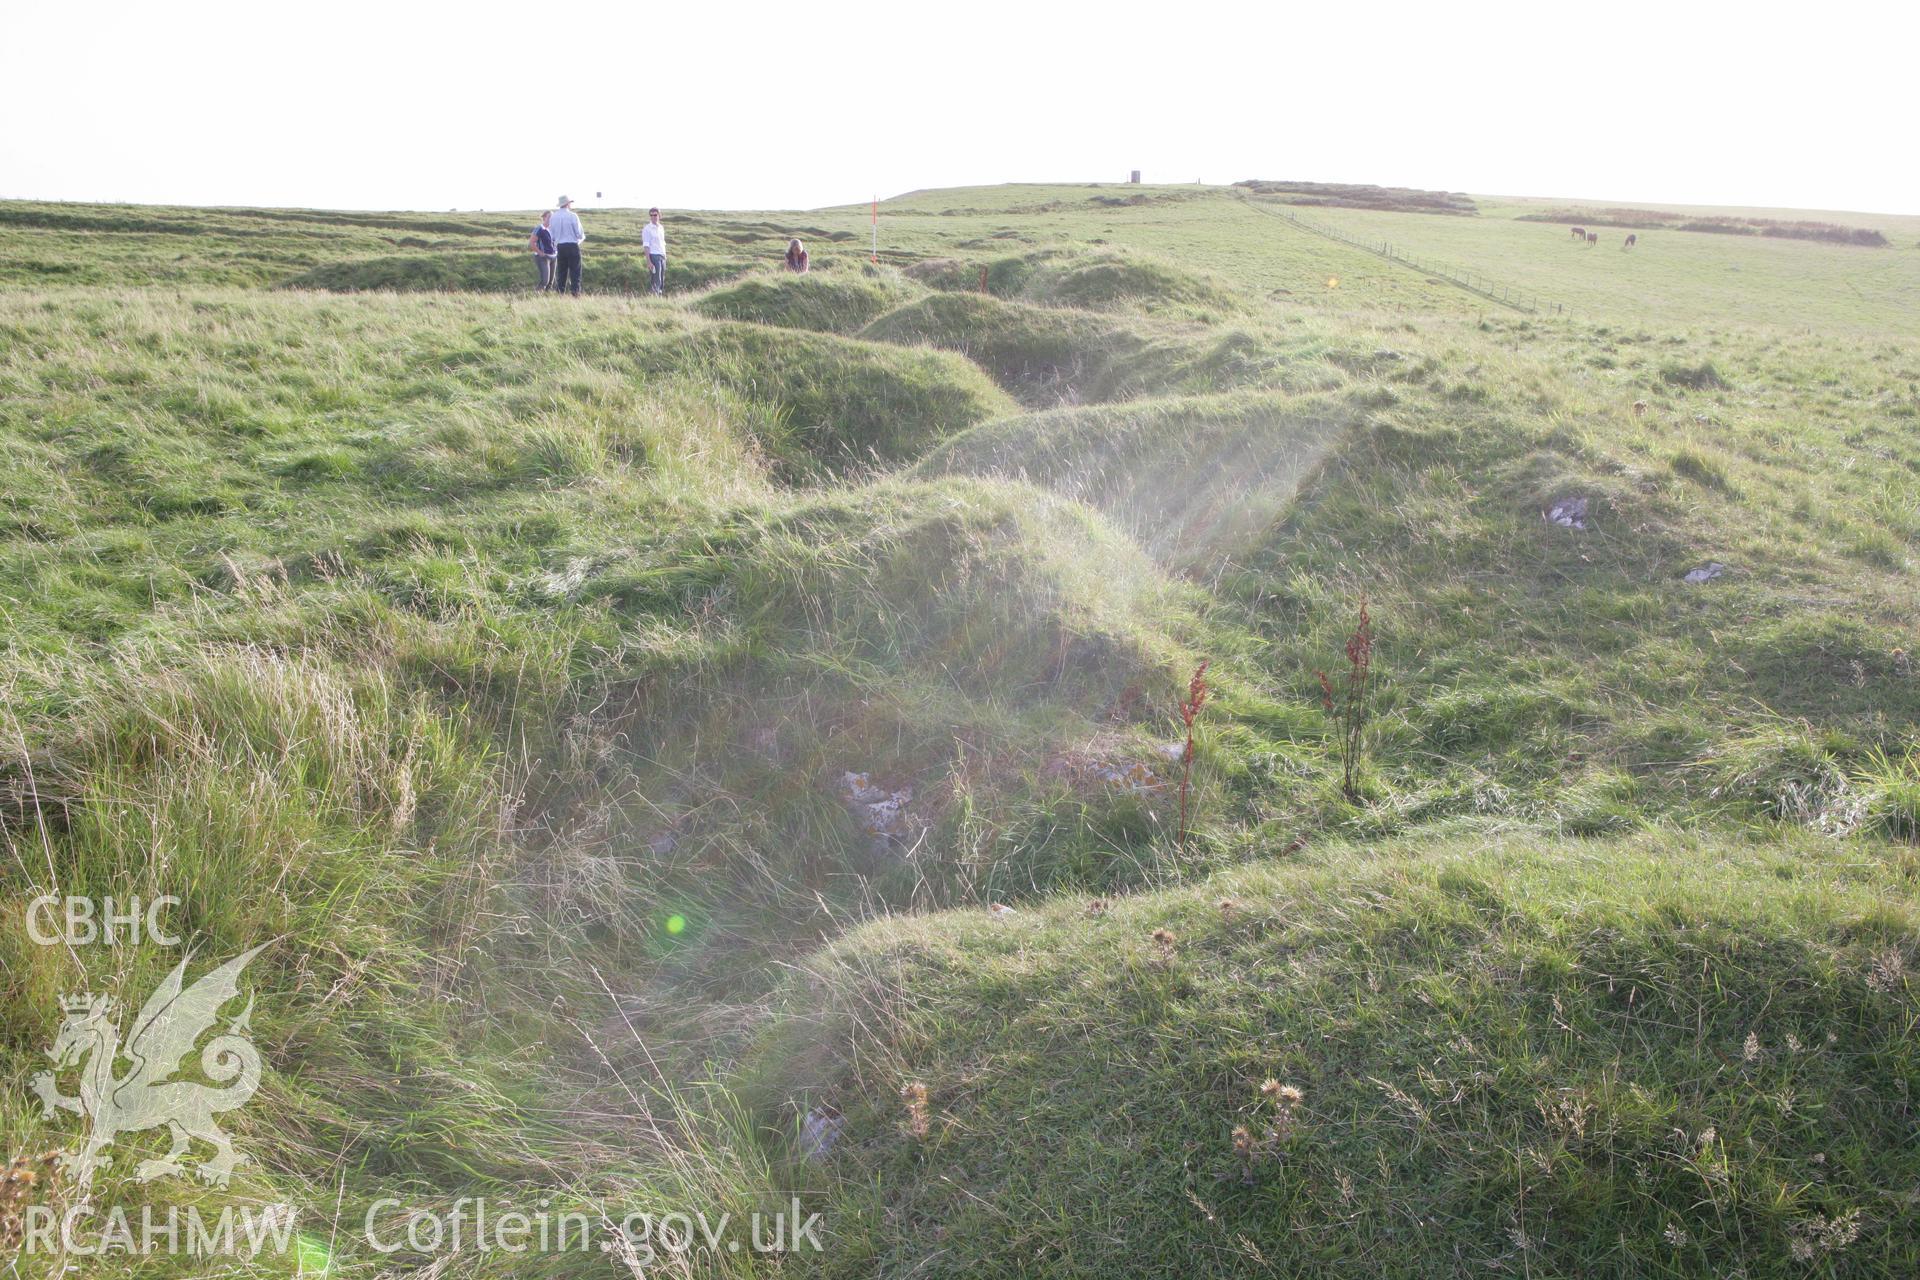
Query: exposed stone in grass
pixel 885 815
pixel 1568 513
pixel 1104 765
pixel 819 1130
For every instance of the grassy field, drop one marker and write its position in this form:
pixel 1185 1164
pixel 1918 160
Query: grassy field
pixel 1690 280
pixel 685 755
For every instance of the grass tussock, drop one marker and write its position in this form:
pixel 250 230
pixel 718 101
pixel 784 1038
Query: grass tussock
pixel 1102 281
pixel 835 404
pixel 842 302
pixel 1490 1033
pixel 1694 377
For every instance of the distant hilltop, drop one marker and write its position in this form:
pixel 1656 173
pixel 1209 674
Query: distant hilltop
pixel 1364 196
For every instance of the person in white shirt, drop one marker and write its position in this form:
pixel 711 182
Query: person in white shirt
pixel 654 237
pixel 567 235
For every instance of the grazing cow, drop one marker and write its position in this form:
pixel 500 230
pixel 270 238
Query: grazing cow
pixel 1579 233
pixel 1631 241
pixel 1593 237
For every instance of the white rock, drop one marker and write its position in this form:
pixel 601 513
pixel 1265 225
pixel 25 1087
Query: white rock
pixel 819 1131
pixel 1706 572
pixel 1568 513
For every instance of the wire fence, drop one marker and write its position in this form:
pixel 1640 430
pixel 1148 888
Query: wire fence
pixel 1506 295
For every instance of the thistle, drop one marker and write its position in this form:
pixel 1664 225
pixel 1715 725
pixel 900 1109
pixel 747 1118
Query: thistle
pixel 17 1185
pixel 914 1094
pixel 1248 1149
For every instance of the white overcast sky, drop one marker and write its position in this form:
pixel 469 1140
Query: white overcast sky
pixel 394 106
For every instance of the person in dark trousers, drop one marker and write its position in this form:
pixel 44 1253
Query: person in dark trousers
pixel 567 235
pixel 542 244
pixel 796 257
pixel 653 237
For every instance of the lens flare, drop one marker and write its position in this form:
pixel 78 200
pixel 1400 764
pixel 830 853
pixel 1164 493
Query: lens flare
pixel 676 924
pixel 311 1257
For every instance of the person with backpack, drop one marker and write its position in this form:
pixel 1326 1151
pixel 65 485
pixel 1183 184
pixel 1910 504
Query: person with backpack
pixel 541 242
pixel 567 235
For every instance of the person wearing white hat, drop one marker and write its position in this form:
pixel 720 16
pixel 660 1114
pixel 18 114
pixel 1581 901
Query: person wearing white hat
pixel 567 235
